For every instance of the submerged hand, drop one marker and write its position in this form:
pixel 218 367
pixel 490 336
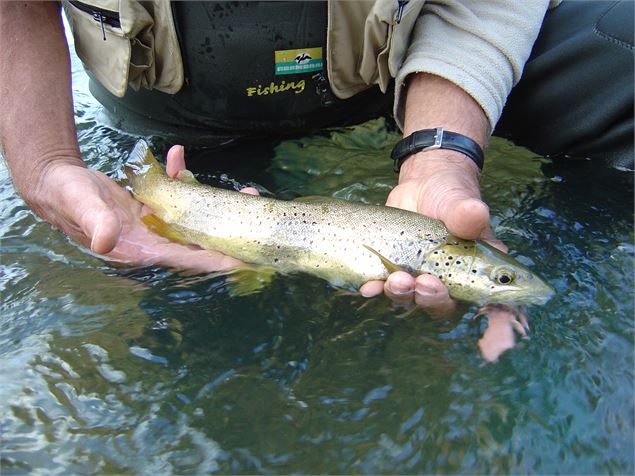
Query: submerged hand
pixel 503 323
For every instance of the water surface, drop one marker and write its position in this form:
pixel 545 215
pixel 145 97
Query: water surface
pixel 108 370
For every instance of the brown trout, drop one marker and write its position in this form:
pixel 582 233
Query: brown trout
pixel 344 242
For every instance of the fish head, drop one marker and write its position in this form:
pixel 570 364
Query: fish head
pixel 476 271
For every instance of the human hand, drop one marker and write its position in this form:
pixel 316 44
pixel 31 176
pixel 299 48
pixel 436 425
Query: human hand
pixel 503 323
pixel 444 186
pixel 95 212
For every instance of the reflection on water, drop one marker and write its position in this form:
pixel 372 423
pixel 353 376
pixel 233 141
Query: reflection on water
pixel 146 371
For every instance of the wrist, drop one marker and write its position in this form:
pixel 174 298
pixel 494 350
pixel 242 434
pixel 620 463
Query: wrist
pixel 425 164
pixel 41 183
pixel 427 140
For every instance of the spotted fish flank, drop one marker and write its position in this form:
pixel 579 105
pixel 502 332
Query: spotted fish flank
pixel 346 243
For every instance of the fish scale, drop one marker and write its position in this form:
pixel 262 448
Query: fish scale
pixel 345 242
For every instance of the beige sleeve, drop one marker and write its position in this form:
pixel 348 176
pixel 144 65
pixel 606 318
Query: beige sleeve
pixel 479 45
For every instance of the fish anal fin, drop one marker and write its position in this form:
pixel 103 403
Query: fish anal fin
pixel 249 279
pixel 158 226
pixel 389 265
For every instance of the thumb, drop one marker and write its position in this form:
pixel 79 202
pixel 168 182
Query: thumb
pixel 467 218
pixel 175 161
pixel 103 227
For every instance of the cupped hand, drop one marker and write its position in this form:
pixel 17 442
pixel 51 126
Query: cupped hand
pixel 96 212
pixel 448 191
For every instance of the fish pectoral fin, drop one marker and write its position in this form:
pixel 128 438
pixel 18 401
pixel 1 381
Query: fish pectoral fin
pixel 158 226
pixel 249 279
pixel 389 265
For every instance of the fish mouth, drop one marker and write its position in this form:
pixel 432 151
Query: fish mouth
pixel 538 297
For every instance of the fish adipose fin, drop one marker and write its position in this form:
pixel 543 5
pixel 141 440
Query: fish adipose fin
pixel 186 176
pixel 158 226
pixel 317 200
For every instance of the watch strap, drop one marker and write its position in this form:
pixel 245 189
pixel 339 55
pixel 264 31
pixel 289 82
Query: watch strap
pixel 430 139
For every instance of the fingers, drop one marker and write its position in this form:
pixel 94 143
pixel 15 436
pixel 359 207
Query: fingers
pixel 175 161
pixel 498 336
pixel 140 247
pixel 372 289
pixel 426 291
pixel 431 293
pixel 400 288
pixel 250 191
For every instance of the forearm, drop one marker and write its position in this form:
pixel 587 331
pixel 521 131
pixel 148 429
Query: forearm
pixel 431 102
pixel 37 129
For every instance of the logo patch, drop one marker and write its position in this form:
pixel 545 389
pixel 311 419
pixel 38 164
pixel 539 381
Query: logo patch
pixel 305 60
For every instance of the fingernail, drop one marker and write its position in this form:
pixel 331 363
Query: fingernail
pixel 94 237
pixel 427 292
pixel 399 290
pixel 365 293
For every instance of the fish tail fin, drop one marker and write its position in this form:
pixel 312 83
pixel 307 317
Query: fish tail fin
pixel 141 161
pixel 158 226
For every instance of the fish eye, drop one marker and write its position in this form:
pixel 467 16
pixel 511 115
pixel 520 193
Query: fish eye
pixel 504 276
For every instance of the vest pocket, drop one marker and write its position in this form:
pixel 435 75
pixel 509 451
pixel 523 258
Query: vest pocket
pixel 116 42
pixel 100 43
pixel 140 64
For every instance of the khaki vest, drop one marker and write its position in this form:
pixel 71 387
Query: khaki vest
pixel 365 44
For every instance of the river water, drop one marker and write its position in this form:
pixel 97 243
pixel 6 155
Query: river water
pixel 146 371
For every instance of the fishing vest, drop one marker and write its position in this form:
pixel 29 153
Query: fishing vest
pixel 242 66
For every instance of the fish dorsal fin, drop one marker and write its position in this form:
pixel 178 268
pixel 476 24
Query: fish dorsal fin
pixel 318 200
pixel 390 266
pixel 158 226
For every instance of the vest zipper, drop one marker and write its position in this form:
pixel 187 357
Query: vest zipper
pixel 99 15
pixel 401 4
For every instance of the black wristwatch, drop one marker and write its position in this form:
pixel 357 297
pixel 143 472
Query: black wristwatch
pixel 438 138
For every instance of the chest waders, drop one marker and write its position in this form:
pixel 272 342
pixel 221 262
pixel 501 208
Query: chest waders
pixel 251 68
